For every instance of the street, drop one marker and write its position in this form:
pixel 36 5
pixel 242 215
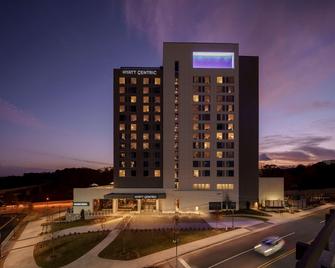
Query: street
pixel 239 252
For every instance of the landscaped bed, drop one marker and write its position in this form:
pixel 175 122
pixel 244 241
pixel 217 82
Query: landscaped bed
pixel 64 250
pixel 131 244
pixel 57 226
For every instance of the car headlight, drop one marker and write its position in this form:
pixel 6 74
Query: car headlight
pixel 268 250
pixel 257 246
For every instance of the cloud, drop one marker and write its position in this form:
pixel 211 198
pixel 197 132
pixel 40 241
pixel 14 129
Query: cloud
pixel 12 114
pixel 311 107
pixel 288 150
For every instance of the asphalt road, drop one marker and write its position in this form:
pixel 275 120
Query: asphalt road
pixel 239 253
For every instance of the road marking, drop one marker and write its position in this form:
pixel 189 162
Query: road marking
pixel 322 221
pixel 285 254
pixel 243 252
pixel 183 262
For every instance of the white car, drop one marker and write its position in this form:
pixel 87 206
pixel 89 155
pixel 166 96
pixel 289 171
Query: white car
pixel 270 245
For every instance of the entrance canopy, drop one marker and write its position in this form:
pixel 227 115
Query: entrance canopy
pixel 136 195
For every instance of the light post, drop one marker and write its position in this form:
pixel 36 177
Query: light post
pixel 176 219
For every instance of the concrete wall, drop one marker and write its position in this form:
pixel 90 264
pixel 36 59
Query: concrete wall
pixel 271 188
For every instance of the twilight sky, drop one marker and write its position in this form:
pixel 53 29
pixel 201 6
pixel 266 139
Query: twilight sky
pixel 57 58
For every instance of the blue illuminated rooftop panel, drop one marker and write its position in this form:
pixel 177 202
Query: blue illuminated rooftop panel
pixel 213 60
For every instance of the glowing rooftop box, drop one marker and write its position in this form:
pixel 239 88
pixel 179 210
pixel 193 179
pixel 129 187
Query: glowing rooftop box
pixel 213 60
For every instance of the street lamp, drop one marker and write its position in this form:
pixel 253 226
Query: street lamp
pixel 176 219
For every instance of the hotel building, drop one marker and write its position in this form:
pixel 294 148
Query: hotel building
pixel 185 134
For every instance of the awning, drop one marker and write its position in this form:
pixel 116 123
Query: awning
pixel 136 195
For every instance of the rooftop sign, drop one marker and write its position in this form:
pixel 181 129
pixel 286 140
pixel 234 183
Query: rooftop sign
pixel 213 60
pixel 140 72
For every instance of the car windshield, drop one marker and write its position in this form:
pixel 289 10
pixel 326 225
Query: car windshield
pixel 268 242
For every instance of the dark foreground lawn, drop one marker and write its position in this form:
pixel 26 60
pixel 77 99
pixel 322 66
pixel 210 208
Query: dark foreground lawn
pixel 134 244
pixel 64 250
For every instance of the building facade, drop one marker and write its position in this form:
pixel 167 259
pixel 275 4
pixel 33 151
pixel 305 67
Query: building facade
pixel 185 134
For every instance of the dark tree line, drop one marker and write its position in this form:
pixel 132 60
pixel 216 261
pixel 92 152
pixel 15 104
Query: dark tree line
pixel 317 176
pixel 56 185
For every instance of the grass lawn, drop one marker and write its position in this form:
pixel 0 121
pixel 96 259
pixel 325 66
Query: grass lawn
pixel 134 244
pixel 66 249
pixel 65 225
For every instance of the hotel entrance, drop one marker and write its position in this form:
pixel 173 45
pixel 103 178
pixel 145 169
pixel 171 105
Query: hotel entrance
pixel 149 205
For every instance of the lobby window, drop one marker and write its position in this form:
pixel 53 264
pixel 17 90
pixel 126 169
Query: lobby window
pixel 146 118
pixel 133 117
pixel 230 136
pixel 122 90
pixel 196 173
pixel 157 173
pixel 157 81
pixel 122 109
pixel 157 118
pixel 145 80
pixel 225 186
pixel 122 173
pixel 133 99
pixel 201 186
pixel 133 80
pixel 219 80
pixel 157 136
pixel 122 127
pixel 145 145
pixel 145 90
pixel 145 108
pixel 122 80
pixel 196 98
pixel 133 145
pixel 145 136
pixel 219 154
pixel 145 99
pixel 157 109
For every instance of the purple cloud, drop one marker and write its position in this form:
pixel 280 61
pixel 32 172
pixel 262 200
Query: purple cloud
pixel 12 114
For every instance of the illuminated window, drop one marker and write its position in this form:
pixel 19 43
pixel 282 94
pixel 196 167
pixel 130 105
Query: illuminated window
pixel 146 118
pixel 145 80
pixel 122 127
pixel 230 117
pixel 122 154
pixel 196 173
pixel 219 79
pixel 145 136
pixel 133 117
pixel 157 81
pixel 133 136
pixel 122 109
pixel 145 145
pixel 207 79
pixel 133 145
pixel 123 164
pixel 219 154
pixel 207 99
pixel 145 99
pixel 157 173
pixel 207 126
pixel 207 145
pixel 133 127
pixel 122 173
pixel 230 126
pixel 157 118
pixel 122 90
pixel 230 136
pixel 133 80
pixel 157 109
pixel 132 164
pixel 145 90
pixel 219 136
pixel 195 126
pixel 123 136
pixel 157 99
pixel 230 108
pixel 145 108
pixel 201 186
pixel 157 136
pixel 196 98
pixel 122 99
pixel 225 186
pixel 133 99
pixel 122 80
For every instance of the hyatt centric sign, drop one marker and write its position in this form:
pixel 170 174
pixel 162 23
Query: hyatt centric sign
pixel 140 72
